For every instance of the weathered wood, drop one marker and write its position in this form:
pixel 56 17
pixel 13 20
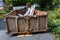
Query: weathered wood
pixel 16 23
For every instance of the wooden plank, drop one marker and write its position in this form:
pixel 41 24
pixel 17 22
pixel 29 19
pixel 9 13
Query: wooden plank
pixel 16 19
pixel 27 24
pixel 37 23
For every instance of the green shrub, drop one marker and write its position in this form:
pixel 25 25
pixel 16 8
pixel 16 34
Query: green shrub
pixel 56 1
pixel 52 25
pixel 57 30
pixel 4 11
pixel 7 11
pixel 54 20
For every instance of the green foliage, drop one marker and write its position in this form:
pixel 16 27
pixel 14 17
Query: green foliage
pixel 7 11
pixel 57 30
pixel 23 2
pixel 51 25
pixel 44 4
pixel 7 1
pixel 58 36
pixel 56 1
pixel 54 25
pixel 55 14
pixel 54 20
pixel 4 11
pixel 18 2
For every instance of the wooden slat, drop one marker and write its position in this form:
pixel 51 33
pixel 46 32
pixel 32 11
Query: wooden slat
pixel 16 20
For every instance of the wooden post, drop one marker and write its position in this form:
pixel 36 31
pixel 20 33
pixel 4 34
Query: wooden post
pixel 16 24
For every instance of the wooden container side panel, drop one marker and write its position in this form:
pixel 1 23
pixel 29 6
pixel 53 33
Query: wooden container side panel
pixel 21 24
pixel 42 23
pixel 11 24
pixel 33 24
pixel 25 24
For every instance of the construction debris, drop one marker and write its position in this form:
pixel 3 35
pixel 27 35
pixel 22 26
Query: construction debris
pixel 30 9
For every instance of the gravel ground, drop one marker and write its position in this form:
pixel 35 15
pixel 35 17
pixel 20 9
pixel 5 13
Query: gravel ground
pixel 40 36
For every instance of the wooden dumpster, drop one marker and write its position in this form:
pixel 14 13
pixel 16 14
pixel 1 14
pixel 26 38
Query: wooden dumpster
pixel 26 24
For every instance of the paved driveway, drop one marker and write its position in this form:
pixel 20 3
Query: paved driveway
pixel 40 36
pixel 2 26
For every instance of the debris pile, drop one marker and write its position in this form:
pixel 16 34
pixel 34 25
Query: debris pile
pixel 29 9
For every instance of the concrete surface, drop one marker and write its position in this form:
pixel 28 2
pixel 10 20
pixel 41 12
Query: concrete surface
pixel 40 36
pixel 2 26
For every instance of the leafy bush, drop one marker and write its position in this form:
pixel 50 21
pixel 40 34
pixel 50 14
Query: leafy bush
pixel 4 11
pixel 57 30
pixel 44 4
pixel 56 1
pixel 23 2
pixel 54 20
pixel 52 25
